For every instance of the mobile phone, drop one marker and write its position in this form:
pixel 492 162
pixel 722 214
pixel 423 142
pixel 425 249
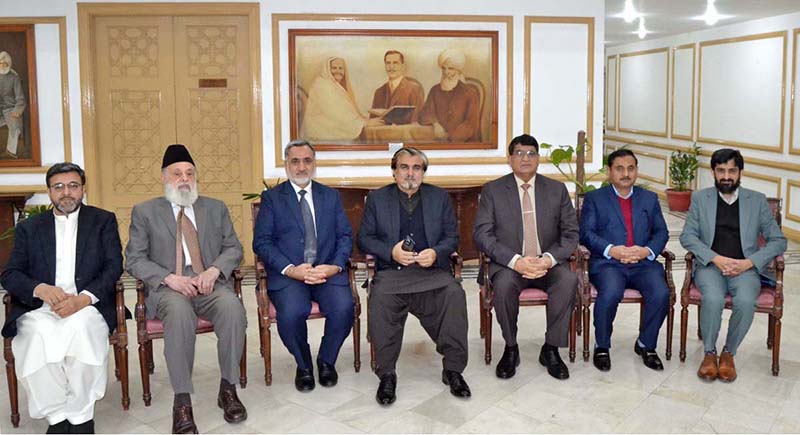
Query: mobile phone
pixel 408 244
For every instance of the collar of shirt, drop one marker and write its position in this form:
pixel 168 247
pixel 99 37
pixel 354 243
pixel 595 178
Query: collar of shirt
pixel 71 218
pixel 520 182
pixel 734 196
pixel 297 190
pixel 188 211
pixel 393 84
pixel 616 192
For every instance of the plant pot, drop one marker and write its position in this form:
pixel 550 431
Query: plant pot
pixel 679 200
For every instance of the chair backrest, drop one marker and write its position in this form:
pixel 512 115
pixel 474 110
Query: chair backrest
pixel 465 206
pixel 775 204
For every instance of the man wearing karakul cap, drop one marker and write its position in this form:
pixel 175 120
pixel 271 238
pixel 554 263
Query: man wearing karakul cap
pixel 453 106
pixel 184 248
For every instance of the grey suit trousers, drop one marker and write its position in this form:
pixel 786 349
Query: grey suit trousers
pixel 179 315
pixel 561 285
pixel 744 290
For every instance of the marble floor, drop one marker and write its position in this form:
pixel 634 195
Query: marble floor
pixel 629 398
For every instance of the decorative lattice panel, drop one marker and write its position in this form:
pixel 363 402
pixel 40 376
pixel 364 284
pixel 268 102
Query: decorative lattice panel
pixel 214 120
pixel 136 141
pixel 124 224
pixel 211 50
pixel 133 51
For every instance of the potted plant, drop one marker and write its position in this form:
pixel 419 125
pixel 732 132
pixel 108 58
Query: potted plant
pixel 28 212
pixel 682 170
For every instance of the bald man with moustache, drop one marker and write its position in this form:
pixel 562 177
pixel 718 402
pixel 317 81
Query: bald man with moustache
pixel 453 106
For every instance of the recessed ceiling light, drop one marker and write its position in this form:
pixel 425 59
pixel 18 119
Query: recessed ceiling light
pixel 712 16
pixel 629 13
pixel 642 32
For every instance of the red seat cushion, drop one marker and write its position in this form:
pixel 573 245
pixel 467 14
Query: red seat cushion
pixel 155 326
pixel 766 299
pixel 532 295
pixel 629 293
pixel 273 313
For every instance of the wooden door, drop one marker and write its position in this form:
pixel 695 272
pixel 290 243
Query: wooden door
pixel 173 79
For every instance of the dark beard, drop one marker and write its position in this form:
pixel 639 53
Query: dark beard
pixel 726 189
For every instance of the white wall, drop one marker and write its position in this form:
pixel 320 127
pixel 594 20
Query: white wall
pixel 515 8
pixel 738 95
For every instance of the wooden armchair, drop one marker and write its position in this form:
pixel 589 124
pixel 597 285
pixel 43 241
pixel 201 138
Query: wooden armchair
pixel 148 330
pixel 529 297
pixel 268 314
pixel 770 300
pixel 117 338
pixel 631 296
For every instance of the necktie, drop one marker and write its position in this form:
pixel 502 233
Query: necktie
pixel 531 237
pixel 310 250
pixel 186 230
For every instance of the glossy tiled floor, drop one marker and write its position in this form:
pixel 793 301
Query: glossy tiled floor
pixel 629 398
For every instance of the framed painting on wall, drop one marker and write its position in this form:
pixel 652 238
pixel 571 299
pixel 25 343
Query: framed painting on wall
pixel 19 111
pixel 362 89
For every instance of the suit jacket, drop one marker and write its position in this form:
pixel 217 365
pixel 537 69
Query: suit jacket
pixel 279 237
pixel 498 223
pixel 408 93
pixel 755 218
pixel 602 223
pixel 150 254
pixel 380 225
pixel 98 262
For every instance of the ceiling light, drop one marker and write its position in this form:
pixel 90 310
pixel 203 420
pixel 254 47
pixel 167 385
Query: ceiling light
pixel 642 32
pixel 629 13
pixel 711 16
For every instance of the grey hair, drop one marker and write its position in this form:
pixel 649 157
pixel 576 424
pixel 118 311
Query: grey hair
pixel 411 151
pixel 298 143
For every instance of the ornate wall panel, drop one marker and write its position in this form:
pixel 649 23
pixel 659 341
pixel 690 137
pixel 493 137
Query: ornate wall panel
pixel 136 140
pixel 212 50
pixel 214 117
pixel 133 51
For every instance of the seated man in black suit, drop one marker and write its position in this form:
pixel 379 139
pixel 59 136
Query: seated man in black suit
pixel 61 277
pixel 411 229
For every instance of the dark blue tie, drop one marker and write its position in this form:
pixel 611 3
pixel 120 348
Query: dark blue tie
pixel 310 250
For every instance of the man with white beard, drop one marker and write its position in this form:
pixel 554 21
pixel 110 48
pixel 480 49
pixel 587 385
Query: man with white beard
pixel 453 107
pixel 12 103
pixel 61 276
pixel 184 248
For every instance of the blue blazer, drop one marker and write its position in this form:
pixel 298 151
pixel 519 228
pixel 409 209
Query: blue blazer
pixel 380 226
pixel 602 223
pixel 98 262
pixel 279 238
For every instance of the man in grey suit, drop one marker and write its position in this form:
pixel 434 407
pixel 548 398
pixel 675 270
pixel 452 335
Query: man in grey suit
pixel 526 224
pixel 410 228
pixel 722 231
pixel 183 246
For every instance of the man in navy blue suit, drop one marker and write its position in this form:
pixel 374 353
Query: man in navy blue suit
pixel 624 229
pixel 61 277
pixel 304 239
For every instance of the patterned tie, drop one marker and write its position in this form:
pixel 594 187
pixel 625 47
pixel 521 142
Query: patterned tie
pixel 186 230
pixel 531 246
pixel 310 250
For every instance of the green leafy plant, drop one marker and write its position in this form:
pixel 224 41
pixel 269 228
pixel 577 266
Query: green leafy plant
pixel 561 156
pixel 251 196
pixel 683 168
pixel 26 213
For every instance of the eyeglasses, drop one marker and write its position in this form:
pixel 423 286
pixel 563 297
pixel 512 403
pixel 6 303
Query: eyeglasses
pixel 521 153
pixel 59 187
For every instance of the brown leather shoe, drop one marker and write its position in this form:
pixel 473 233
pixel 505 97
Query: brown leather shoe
pixel 183 419
pixel 727 370
pixel 232 408
pixel 709 370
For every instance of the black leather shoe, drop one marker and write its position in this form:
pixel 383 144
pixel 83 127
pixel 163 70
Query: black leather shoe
pixel 60 427
pixel 304 379
pixel 649 357
pixel 233 410
pixel 550 358
pixel 507 367
pixel 85 427
pixel 602 359
pixel 183 419
pixel 458 386
pixel 386 389
pixel 327 374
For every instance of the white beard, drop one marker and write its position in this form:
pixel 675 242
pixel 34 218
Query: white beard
pixel 5 70
pixel 183 198
pixel 448 84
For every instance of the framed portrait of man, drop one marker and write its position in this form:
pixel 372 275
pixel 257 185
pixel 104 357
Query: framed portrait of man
pixel 361 89
pixel 19 120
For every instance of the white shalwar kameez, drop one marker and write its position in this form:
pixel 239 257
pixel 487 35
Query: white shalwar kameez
pixel 62 363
